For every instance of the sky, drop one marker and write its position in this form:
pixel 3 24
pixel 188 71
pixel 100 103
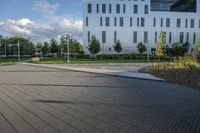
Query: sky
pixel 39 20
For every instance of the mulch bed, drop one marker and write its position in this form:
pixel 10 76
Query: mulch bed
pixel 190 78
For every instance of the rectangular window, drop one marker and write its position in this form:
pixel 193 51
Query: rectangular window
pixel 135 37
pixel 118 8
pixel 124 8
pixel 186 23
pixel 146 9
pixel 107 21
pixel 89 8
pixel 121 21
pixel 161 22
pixel 138 22
pixel 115 36
pixel 101 21
pixel 192 23
pixel 181 37
pixel 145 37
pixel 97 8
pixel 187 37
pixel 86 21
pixel 178 23
pixel 110 8
pixel 167 22
pixel 88 36
pixel 194 38
pixel 115 22
pixel 170 37
pixel 156 36
pixel 103 8
pixel 103 36
pixel 131 21
pixel 142 22
pixel 154 22
pixel 135 9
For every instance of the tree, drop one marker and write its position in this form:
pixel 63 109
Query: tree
pixel 94 46
pixel 141 48
pixel 117 46
pixel 160 49
pixel 54 46
pixel 45 48
pixel 198 46
pixel 178 49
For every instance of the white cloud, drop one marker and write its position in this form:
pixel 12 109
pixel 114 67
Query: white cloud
pixel 36 31
pixel 45 7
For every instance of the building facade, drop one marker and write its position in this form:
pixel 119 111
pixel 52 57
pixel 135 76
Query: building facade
pixel 135 21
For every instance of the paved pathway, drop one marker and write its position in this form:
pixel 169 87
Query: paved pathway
pixel 44 100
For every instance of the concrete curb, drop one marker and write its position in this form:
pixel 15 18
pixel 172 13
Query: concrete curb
pixel 133 75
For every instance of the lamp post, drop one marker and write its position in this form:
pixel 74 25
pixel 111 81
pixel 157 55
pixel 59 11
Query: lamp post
pixel 68 60
pixel 18 46
pixel 148 50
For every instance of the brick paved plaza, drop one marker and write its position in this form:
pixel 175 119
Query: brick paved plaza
pixel 43 100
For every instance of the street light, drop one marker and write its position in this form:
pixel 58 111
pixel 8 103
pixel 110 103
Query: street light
pixel 148 50
pixel 18 50
pixel 68 59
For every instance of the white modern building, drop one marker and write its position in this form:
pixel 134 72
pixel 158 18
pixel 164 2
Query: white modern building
pixel 135 21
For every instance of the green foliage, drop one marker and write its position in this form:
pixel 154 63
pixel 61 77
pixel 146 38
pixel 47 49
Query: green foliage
pixel 160 49
pixel 141 48
pixel 45 48
pixel 117 46
pixel 178 49
pixel 94 46
pixel 54 46
pixel 198 45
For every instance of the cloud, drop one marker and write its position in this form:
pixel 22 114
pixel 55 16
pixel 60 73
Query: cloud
pixel 45 7
pixel 40 32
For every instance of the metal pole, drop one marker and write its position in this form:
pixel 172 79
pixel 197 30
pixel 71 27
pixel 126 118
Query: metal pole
pixel 5 49
pixel 148 50
pixel 68 60
pixel 18 51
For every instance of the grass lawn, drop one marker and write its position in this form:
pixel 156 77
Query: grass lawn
pixel 60 60
pixel 188 76
pixel 8 61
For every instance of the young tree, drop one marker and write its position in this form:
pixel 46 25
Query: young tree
pixel 117 46
pixel 141 48
pixel 160 49
pixel 45 48
pixel 54 46
pixel 94 46
pixel 198 46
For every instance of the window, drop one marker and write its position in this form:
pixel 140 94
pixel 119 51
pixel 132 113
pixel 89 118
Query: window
pixel 142 22
pixel 103 8
pixel 110 8
pixel 156 36
pixel 115 22
pixel 115 36
pixel 121 21
pixel 161 22
pixel 86 21
pixel 167 22
pixel 146 9
pixel 145 37
pixel 135 37
pixel 101 21
pixel 138 22
pixel 186 23
pixel 89 8
pixel 192 23
pixel 187 37
pixel 135 9
pixel 154 22
pixel 194 38
pixel 103 36
pixel 131 21
pixel 181 37
pixel 118 8
pixel 124 8
pixel 88 36
pixel 97 8
pixel 178 23
pixel 170 37
pixel 107 21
